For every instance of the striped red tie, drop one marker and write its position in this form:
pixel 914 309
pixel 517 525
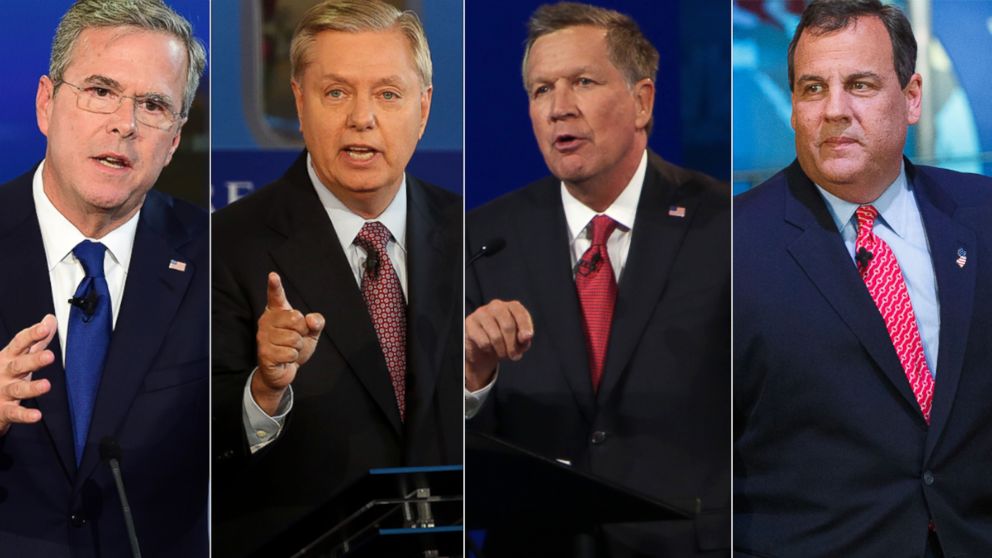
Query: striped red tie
pixel 883 277
pixel 597 290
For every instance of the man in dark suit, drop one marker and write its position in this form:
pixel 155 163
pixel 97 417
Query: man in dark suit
pixel 599 334
pixel 117 275
pixel 342 346
pixel 861 305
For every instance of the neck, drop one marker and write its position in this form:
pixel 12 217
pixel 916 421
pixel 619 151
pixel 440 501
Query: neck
pixel 863 192
pixel 600 191
pixel 93 222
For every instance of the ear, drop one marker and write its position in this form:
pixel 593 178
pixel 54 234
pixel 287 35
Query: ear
pixel 644 99
pixel 914 98
pixel 44 102
pixel 425 109
pixel 175 143
pixel 298 97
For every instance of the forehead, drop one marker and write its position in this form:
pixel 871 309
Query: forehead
pixel 863 45
pixel 360 56
pixel 567 51
pixel 137 58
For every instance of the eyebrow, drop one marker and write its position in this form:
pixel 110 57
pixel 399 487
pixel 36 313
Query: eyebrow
pixel 852 77
pixel 394 80
pixel 572 74
pixel 110 83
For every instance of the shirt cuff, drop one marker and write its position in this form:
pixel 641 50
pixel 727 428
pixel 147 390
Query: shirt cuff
pixel 260 428
pixel 474 400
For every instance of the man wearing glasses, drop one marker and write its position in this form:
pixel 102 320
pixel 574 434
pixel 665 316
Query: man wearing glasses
pixel 105 317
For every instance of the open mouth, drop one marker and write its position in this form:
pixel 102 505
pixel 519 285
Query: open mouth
pixel 113 161
pixel 359 152
pixel 566 142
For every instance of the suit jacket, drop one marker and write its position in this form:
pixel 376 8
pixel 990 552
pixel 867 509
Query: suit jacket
pixel 833 456
pixel 660 421
pixel 344 420
pixel 152 397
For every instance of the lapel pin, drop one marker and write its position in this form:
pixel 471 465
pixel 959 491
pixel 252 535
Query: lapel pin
pixel 676 211
pixel 962 257
pixel 177 265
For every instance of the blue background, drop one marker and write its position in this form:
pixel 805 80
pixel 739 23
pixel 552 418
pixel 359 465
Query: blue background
pixel 26 39
pixel 692 105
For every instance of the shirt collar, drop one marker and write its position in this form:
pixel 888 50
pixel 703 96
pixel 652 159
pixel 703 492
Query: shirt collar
pixel 60 236
pixel 623 210
pixel 347 223
pixel 893 206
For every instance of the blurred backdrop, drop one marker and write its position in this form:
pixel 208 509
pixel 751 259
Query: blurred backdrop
pixel 692 104
pixel 28 30
pixel 955 42
pixel 255 132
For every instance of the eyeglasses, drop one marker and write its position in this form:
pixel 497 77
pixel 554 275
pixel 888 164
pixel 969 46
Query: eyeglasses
pixel 150 110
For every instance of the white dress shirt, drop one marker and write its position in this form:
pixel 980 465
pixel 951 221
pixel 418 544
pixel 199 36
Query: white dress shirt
pixel 579 216
pixel 261 428
pixel 65 272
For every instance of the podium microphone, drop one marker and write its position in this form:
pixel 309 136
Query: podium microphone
pixel 110 451
pixel 491 247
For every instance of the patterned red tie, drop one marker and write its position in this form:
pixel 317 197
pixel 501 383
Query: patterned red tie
pixel 597 290
pixel 384 298
pixel 883 277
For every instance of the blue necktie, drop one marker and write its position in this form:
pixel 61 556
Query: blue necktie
pixel 87 340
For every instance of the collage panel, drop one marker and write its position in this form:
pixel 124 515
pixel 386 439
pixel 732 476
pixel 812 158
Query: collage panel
pixel 337 278
pixel 104 327
pixel 862 294
pixel 598 298
pixel 438 278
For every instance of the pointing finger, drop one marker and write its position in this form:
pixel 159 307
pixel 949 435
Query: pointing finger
pixel 276 294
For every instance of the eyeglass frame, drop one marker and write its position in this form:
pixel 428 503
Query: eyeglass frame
pixel 176 116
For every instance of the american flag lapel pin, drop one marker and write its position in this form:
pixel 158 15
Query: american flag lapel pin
pixel 962 257
pixel 676 211
pixel 177 265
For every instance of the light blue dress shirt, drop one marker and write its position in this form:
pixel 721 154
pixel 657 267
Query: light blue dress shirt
pixel 900 225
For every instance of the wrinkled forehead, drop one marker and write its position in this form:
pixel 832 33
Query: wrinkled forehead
pixel 131 56
pixel 864 41
pixel 566 52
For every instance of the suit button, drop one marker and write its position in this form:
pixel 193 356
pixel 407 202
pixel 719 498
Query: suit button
pixel 927 478
pixel 77 520
pixel 598 437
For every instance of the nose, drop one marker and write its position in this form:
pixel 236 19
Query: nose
pixel 123 120
pixel 362 114
pixel 562 103
pixel 838 105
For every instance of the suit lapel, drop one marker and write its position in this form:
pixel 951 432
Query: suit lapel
pixel 152 295
pixel 541 228
pixel 820 252
pixel 313 266
pixel 429 310
pixel 955 290
pixel 655 244
pixel 21 234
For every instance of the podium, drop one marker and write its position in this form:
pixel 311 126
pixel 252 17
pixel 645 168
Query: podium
pixel 508 487
pixel 403 512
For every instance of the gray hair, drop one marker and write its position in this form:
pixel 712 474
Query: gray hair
pixel 353 16
pixel 627 47
pixel 152 15
pixel 825 16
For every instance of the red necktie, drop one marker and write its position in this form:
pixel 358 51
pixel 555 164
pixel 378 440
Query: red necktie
pixel 882 276
pixel 384 298
pixel 597 290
